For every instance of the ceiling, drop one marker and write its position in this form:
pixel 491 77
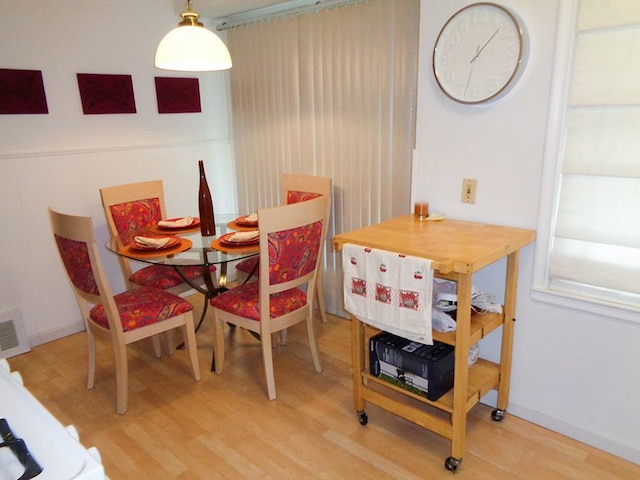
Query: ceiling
pixel 222 8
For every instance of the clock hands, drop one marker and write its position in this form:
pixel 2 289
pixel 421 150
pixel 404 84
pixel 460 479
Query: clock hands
pixel 473 64
pixel 479 50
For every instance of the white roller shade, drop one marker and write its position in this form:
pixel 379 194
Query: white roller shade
pixel 596 243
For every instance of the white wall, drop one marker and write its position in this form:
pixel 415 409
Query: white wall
pixel 573 372
pixel 63 158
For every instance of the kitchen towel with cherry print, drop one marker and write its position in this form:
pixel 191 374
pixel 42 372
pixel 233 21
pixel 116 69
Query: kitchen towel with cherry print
pixel 389 291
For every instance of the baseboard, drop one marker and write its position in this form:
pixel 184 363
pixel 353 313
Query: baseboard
pixel 55 334
pixel 587 437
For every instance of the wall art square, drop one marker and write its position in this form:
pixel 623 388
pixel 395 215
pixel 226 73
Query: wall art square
pixel 105 93
pixel 22 92
pixel 178 95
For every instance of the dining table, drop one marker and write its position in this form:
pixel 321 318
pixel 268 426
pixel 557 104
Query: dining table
pixel 189 248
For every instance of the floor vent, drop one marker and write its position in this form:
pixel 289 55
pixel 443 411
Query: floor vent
pixel 13 338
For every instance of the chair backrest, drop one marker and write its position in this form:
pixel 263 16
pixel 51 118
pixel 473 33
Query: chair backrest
pixel 291 240
pixel 133 207
pixel 300 188
pixel 75 238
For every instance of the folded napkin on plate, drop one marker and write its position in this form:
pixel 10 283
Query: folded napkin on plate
pixel 244 236
pixel 151 242
pixel 251 218
pixel 179 222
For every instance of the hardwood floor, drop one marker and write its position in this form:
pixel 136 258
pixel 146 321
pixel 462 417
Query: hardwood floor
pixel 224 426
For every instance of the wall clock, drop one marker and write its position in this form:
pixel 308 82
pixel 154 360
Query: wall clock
pixel 478 53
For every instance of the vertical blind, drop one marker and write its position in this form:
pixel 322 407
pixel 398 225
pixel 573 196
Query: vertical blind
pixel 329 93
pixel 596 245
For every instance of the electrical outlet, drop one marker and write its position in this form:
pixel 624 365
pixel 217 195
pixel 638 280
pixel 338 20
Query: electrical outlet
pixel 469 187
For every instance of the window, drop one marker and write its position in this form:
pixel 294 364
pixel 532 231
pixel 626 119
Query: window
pixel 591 250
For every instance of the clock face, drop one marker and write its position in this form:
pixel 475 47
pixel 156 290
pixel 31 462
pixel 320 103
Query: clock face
pixel 477 53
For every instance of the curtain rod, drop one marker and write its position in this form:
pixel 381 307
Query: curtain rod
pixel 282 10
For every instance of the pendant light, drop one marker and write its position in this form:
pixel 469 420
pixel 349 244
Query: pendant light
pixel 192 48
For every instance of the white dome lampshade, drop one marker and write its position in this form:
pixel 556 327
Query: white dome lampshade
pixel 192 48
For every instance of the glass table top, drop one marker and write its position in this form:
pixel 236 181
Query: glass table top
pixel 199 252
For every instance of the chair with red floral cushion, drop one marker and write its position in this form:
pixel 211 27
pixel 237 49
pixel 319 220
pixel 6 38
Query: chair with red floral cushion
pixel 297 188
pixel 127 317
pixel 131 209
pixel 291 241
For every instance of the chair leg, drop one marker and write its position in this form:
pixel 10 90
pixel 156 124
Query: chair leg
pixel 91 347
pixel 218 343
pixel 122 377
pixel 320 299
pixel 168 346
pixel 157 347
pixel 313 344
pixel 267 360
pixel 191 347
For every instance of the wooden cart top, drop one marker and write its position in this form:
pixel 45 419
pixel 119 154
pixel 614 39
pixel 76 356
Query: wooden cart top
pixel 452 245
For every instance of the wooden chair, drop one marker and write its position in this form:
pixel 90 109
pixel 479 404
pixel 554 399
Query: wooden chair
pixel 291 241
pixel 298 188
pixel 131 208
pixel 127 317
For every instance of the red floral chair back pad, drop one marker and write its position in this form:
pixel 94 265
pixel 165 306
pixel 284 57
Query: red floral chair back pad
pixel 75 257
pixel 132 217
pixel 293 253
pixel 294 196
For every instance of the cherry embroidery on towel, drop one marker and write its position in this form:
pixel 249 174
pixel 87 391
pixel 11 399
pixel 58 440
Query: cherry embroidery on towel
pixel 410 299
pixel 383 293
pixel 359 287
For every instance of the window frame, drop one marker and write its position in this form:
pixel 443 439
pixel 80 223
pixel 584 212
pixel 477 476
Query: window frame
pixel 551 176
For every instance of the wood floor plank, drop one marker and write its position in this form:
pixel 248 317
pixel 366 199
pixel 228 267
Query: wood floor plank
pixel 224 427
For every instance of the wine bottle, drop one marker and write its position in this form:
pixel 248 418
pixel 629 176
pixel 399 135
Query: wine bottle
pixel 205 205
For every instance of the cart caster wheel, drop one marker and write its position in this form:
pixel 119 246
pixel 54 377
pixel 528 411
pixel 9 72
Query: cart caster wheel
pixel 362 417
pixel 452 464
pixel 497 415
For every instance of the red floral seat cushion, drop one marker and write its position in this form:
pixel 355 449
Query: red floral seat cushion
pixel 249 266
pixel 163 276
pixel 243 301
pixel 142 306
